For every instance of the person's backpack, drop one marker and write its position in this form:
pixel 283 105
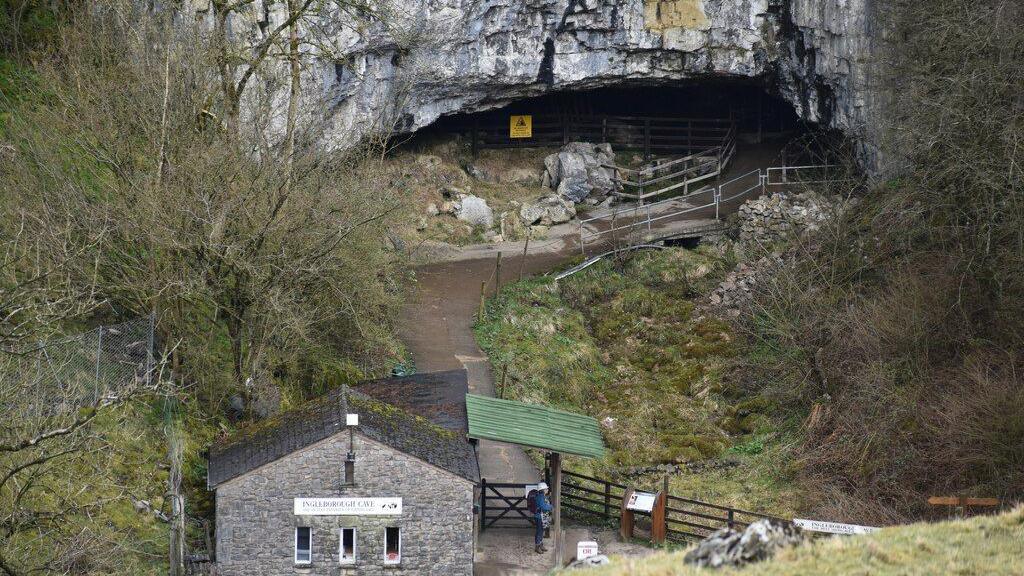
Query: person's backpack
pixel 531 502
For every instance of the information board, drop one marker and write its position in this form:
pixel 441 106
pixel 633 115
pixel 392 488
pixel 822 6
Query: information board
pixel 641 501
pixel 520 126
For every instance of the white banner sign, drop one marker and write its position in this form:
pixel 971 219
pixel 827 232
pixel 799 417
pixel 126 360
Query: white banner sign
pixel 832 527
pixel 347 506
pixel 641 501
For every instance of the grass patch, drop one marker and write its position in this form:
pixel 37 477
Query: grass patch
pixel 990 545
pixel 624 343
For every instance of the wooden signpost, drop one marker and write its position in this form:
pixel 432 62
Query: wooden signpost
pixel 652 503
pixel 960 504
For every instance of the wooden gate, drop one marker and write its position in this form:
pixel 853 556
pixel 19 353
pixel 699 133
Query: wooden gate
pixel 503 504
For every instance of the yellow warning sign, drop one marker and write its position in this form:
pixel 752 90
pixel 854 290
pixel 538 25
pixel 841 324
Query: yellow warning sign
pixel 520 127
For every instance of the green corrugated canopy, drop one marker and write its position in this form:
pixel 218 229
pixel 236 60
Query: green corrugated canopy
pixel 533 425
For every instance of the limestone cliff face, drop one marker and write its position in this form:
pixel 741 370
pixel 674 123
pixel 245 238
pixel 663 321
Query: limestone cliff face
pixel 446 56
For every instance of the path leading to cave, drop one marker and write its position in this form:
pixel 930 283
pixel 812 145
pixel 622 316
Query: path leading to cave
pixel 437 321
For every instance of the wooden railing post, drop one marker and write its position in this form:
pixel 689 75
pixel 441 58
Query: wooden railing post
pixel 607 500
pixel 647 138
pixel 732 519
pixel 497 275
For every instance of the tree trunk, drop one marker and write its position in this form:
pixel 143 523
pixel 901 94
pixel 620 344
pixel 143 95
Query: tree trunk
pixel 293 96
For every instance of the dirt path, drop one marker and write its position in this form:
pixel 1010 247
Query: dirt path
pixel 437 328
pixel 437 322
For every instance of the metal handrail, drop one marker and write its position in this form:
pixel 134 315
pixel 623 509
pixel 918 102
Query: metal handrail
pixel 761 185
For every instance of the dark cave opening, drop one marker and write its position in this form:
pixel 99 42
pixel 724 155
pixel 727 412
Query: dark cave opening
pixel 652 118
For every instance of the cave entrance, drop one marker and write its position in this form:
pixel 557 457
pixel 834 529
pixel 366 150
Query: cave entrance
pixel 651 120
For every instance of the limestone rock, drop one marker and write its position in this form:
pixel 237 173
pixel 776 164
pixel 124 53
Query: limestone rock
pixel 730 547
pixel 576 171
pixel 475 211
pixel 548 211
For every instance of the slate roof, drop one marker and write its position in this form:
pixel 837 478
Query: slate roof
pixel 320 418
pixel 437 396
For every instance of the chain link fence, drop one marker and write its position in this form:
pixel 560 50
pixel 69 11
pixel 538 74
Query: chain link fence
pixel 81 370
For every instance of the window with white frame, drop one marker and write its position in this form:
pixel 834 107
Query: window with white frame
pixel 347 546
pixel 303 545
pixel 392 545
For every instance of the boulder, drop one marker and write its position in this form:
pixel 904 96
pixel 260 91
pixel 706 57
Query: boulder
pixel 475 211
pixel 531 213
pixel 730 547
pixel 432 209
pixel 576 171
pixel 547 211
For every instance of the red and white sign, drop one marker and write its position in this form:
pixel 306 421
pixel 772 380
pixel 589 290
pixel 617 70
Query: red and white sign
pixel 585 550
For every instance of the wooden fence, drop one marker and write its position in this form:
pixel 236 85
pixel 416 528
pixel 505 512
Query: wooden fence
pixel 649 135
pixel 590 498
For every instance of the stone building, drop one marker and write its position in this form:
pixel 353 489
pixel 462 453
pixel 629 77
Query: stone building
pixel 307 493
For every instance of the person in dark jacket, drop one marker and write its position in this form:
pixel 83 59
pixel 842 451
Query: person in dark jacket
pixel 540 507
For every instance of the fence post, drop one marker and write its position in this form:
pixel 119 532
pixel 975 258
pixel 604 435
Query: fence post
pixel 607 499
pixel 483 291
pixel 497 275
pixel 647 138
pixel 526 248
pixel 732 519
pixel 99 355
pixel 583 250
pixel 483 504
pixel 718 200
pixel 149 347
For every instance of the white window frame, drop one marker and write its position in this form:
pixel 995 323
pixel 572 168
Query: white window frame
pixel 341 546
pixel 296 556
pixel 399 560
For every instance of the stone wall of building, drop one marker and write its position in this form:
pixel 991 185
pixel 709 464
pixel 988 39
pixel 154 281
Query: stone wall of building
pixel 256 521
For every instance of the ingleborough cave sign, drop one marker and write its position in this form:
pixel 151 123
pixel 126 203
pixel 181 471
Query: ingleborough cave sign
pixel 347 506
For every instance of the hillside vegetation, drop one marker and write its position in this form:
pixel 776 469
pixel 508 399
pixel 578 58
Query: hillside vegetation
pixel 624 342
pixel 980 546
pixel 131 183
